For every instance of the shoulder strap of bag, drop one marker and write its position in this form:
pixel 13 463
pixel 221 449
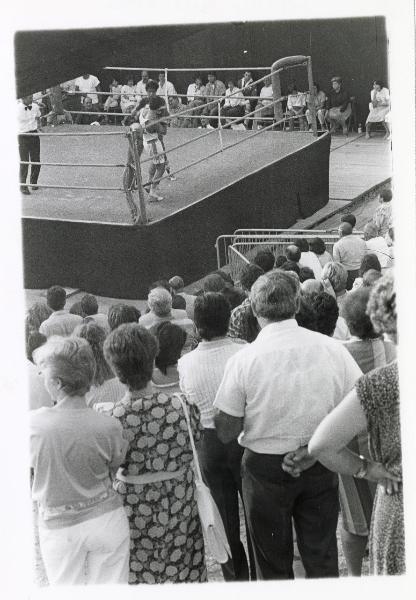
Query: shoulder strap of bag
pixel 191 437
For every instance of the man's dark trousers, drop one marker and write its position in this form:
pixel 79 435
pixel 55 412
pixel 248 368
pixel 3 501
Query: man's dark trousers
pixel 220 466
pixel 272 498
pixel 29 150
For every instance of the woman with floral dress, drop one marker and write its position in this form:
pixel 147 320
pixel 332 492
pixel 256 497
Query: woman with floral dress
pixel 156 480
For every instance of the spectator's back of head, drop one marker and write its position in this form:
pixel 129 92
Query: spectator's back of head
pixel 178 302
pixel 34 341
pixel 312 286
pixel 160 283
pixel 327 313
pixel 213 283
pixel 306 315
pixel 265 260
pixel 317 245
pixel 306 273
pixel 275 296
pixel 171 340
pixel 337 275
pixel 56 297
pixel 345 229
pixel 386 195
pixel 95 336
pixel 355 313
pixel 302 244
pixel 122 313
pixel 381 306
pixel 249 274
pixel 176 283
pixel 35 316
pixel 290 265
pixel 89 305
pixel 370 277
pixel 280 260
pixel 76 309
pixel 369 261
pixel 349 218
pixel 224 275
pixel 160 302
pixel 293 253
pixel 370 230
pixel 212 315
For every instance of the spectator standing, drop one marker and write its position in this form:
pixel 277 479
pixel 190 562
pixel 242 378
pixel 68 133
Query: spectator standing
pixel 275 392
pixel 370 262
pixel 216 283
pixel 243 323
pixel 213 89
pixel 334 277
pixel 28 116
pixel 89 85
pixel 160 304
pixel 171 340
pixel 156 480
pixel 200 374
pixel 383 216
pixel 83 529
pixel 38 394
pixel 317 246
pixel 118 314
pixel 265 260
pixel 61 322
pixel 376 244
pixel 373 405
pixel 105 387
pixel 349 252
pixel 338 106
pixel 89 307
pixel 178 289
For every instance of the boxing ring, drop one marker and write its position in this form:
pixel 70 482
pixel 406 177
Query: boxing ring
pixel 79 230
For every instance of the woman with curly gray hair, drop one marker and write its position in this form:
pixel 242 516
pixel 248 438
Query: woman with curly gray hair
pixel 156 480
pixel 374 405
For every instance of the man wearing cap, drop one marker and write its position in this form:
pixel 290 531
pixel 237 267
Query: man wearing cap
pixel 338 106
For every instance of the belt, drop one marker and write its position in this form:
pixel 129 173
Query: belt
pixel 150 477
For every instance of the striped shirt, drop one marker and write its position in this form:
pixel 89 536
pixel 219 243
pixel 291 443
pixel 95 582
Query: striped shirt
pixel 201 371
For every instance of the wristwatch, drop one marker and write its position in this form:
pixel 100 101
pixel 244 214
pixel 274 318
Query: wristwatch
pixel 362 471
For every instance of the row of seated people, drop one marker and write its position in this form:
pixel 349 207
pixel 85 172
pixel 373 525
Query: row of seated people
pixel 130 366
pixel 333 109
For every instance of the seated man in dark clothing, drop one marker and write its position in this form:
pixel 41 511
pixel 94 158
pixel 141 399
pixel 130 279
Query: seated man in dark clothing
pixel 338 106
pixel 85 119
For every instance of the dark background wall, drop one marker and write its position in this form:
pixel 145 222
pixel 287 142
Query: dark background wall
pixel 355 48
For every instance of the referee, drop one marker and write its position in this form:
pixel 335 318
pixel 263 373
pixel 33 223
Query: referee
pixel 28 115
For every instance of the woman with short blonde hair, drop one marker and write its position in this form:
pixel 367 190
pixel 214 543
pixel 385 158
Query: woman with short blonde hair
pixel 83 530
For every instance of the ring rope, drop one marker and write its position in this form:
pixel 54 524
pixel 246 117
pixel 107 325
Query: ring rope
pixel 51 164
pixel 192 70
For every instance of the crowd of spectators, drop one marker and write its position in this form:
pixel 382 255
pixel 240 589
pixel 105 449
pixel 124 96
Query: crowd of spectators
pixel 238 96
pixel 290 379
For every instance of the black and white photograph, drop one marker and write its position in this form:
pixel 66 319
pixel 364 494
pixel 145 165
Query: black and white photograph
pixel 209 282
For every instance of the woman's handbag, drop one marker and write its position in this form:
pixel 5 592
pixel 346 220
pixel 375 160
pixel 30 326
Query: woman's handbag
pixel 212 525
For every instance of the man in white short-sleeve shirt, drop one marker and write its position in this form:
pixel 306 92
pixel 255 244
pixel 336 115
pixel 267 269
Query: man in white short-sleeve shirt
pixel 275 392
pixel 88 84
pixel 28 118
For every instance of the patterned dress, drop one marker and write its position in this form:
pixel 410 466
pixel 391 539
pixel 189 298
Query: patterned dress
pixel 166 537
pixel 378 392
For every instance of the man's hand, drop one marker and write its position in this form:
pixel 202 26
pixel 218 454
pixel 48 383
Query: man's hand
pixel 297 461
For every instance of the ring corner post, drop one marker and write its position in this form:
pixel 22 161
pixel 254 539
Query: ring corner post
pixel 277 93
pixel 137 139
pixel 312 107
